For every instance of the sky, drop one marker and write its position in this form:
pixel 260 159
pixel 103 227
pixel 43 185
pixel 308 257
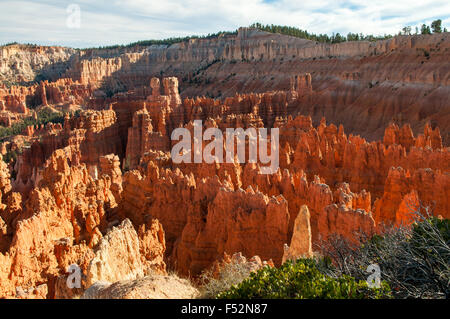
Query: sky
pixel 87 23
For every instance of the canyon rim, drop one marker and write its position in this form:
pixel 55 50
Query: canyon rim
pixel 165 169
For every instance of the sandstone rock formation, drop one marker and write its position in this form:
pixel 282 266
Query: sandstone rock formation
pixel 203 208
pixel 61 223
pixel 361 84
pixel 101 190
pixel 300 245
pixel 118 256
pixel 21 63
pixel 149 287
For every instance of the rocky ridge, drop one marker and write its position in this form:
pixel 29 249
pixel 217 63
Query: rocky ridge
pixel 101 190
pixel 362 85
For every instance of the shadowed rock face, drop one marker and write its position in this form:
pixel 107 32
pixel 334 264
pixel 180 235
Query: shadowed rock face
pixel 110 164
pixel 22 63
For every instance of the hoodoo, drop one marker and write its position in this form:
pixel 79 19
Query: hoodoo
pixel 130 164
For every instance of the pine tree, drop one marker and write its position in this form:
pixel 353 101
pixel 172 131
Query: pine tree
pixel 425 29
pixel 436 25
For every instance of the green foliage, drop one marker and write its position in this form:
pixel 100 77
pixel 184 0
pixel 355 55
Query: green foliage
pixel 443 225
pixel 33 45
pixel 168 41
pixel 436 26
pixel 44 116
pixel 414 260
pixel 127 164
pixel 424 29
pixel 353 36
pixel 303 34
pixel 302 279
pixel 425 231
pixel 11 155
pixel 10 43
pixel 406 30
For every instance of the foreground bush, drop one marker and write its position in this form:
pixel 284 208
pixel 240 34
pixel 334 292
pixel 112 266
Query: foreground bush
pixel 415 261
pixel 302 279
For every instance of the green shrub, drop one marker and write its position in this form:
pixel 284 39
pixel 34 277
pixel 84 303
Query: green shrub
pixel 11 155
pixel 44 116
pixel 127 164
pixel 325 38
pixel 415 261
pixel 426 227
pixel 302 279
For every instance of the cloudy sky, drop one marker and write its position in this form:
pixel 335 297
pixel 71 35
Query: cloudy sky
pixel 106 22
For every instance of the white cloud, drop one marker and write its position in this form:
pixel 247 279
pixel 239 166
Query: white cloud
pixel 122 21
